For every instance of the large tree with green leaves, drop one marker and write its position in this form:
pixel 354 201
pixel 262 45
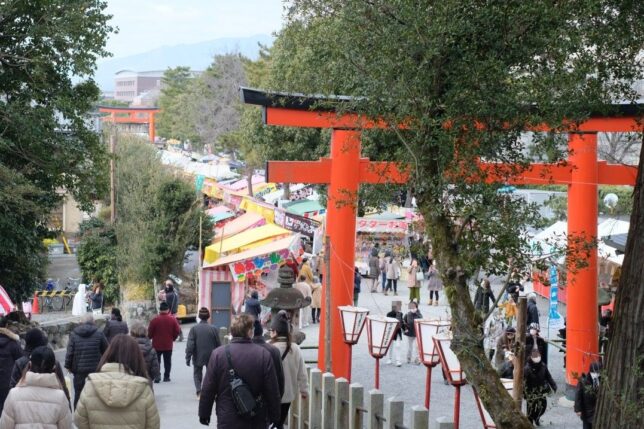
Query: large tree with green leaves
pixel 466 79
pixel 176 104
pixel 45 142
pixel 158 215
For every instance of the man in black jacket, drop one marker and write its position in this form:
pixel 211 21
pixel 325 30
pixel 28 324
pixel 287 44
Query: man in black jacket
pixel 254 365
pixel 538 383
pixel 84 350
pixel 202 340
pixel 172 299
pixel 10 352
pixel 586 395
pixel 533 311
pixel 253 307
pixel 258 338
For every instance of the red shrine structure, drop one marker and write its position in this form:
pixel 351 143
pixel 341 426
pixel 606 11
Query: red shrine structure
pixel 344 170
pixel 131 115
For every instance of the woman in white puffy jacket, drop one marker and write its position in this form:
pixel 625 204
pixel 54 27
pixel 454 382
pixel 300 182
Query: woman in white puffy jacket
pixel 295 381
pixel 38 400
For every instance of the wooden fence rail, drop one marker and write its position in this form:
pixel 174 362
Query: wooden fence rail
pixel 337 404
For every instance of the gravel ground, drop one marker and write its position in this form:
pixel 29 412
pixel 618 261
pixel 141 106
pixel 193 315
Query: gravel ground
pixel 408 381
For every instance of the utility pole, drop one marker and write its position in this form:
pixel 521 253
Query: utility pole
pixel 519 338
pixel 327 303
pixel 112 177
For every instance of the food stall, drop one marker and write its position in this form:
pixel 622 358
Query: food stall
pixel 225 281
pixel 383 234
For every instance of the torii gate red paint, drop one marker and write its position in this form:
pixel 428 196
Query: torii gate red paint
pixel 345 170
pixel 131 115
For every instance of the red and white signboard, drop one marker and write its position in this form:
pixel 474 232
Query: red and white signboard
pixel 6 305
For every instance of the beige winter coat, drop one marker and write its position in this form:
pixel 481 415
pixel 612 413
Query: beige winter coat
pixel 316 295
pixel 114 399
pixel 294 371
pixel 37 402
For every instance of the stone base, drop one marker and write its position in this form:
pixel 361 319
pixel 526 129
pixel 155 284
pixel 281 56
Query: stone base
pixel 142 311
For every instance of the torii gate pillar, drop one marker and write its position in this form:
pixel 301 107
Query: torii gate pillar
pixel 581 328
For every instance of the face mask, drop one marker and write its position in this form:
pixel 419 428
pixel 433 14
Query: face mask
pixel 536 360
pixel 594 375
pixel 533 332
pixel 413 310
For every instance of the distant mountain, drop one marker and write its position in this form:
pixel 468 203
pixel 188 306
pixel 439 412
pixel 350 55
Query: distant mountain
pixel 197 56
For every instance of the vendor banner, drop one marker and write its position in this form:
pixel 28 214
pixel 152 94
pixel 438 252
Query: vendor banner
pixel 265 263
pixel 377 225
pixel 295 223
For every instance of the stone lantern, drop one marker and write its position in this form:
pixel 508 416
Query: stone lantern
pixel 286 297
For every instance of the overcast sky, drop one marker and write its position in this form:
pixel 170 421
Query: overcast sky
pixel 148 24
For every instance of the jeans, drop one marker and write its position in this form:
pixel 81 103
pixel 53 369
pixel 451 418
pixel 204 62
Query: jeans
pixel 395 284
pixel 412 352
pixel 383 278
pixel 79 383
pixel 197 375
pixel 167 362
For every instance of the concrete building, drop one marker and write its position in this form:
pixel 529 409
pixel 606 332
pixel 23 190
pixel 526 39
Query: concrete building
pixel 130 84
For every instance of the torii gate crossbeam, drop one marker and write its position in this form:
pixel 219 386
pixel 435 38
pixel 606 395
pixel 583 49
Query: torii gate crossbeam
pixel 345 170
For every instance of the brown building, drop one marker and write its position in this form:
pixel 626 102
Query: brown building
pixel 130 84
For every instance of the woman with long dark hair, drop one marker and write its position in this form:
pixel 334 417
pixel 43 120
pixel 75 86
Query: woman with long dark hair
pixel 295 380
pixel 115 325
pixel 38 399
pixel 121 369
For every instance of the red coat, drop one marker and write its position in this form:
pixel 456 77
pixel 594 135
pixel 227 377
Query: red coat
pixel 163 330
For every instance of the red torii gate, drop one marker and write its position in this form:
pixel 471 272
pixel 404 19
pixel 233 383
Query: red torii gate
pixel 131 115
pixel 345 170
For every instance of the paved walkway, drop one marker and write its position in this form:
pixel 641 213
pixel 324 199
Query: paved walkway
pixel 178 405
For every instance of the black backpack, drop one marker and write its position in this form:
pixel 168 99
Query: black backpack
pixel 247 405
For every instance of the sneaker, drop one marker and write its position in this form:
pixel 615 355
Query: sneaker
pixel 157 380
pixel 398 363
pixel 166 379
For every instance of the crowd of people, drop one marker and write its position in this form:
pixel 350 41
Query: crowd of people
pixel 252 381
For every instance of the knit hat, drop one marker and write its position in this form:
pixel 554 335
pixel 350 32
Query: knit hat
pixel 164 306
pixel 510 330
pixel 204 314
pixel 279 324
pixel 35 338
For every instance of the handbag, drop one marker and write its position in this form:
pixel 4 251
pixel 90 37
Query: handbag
pixel 246 404
pixel 420 276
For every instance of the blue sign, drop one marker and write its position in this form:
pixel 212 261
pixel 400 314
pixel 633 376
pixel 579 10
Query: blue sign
pixel 199 182
pixel 554 294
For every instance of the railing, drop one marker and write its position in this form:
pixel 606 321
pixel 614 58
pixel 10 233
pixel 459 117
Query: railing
pixel 337 404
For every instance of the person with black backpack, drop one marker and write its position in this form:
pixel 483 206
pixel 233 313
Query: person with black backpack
pixel 241 378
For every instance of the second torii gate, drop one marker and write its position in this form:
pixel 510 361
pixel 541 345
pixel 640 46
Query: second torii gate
pixel 345 170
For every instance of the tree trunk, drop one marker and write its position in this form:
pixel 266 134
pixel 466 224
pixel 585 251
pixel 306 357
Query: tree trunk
pixel 621 394
pixel 250 182
pixel 467 328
